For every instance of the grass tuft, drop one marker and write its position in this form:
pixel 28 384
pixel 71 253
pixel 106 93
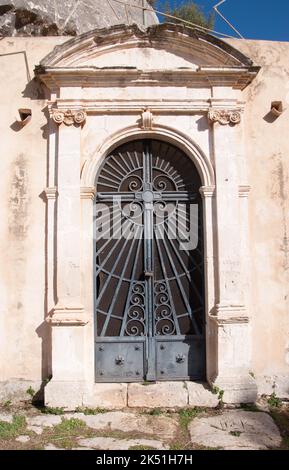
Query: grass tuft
pixel 14 429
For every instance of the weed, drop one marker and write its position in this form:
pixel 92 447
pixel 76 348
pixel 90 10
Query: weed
pixel 235 433
pixel 187 414
pixel 273 401
pixel 90 411
pixel 217 391
pixel 70 427
pixel 249 407
pixel 140 447
pixel 52 411
pixel 12 430
pixel 31 392
pixel 7 404
pixel 155 412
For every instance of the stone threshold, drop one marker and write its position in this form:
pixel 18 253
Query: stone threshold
pixel 156 395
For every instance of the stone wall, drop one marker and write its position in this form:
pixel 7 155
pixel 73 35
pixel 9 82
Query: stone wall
pixel 267 149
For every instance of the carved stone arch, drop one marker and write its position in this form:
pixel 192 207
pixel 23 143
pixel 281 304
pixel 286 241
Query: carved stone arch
pixel 165 133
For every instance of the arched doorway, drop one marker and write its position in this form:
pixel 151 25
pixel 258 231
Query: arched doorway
pixel 149 270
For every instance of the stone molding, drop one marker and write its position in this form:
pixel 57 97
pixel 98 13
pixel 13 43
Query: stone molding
pixel 229 314
pixel 244 191
pixel 51 193
pixel 224 116
pixel 208 191
pixel 68 117
pixel 68 316
pixel 88 192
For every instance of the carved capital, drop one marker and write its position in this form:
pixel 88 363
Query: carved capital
pixel 68 117
pixel 50 193
pixel 207 191
pixel 224 116
pixel 146 119
pixel 87 192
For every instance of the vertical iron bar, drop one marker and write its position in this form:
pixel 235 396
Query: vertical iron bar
pixel 148 264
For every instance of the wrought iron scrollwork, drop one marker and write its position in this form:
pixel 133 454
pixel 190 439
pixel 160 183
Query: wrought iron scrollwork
pixel 136 313
pixel 164 319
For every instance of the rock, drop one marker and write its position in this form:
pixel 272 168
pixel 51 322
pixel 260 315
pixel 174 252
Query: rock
pixel 22 439
pixel 112 396
pixel 52 447
pixel 6 418
pixel 201 396
pixel 37 429
pixel 108 443
pixel 236 430
pixel 68 17
pixel 159 395
pixel 131 422
pixel 44 421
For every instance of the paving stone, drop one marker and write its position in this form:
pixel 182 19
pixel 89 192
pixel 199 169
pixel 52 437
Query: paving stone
pixel 236 430
pixel 108 443
pixel 22 439
pixel 6 418
pixel 52 447
pixel 159 395
pixel 44 421
pixel 132 422
pixel 201 396
pixel 37 429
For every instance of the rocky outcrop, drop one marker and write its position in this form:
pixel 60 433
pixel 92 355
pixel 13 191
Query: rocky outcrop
pixel 69 17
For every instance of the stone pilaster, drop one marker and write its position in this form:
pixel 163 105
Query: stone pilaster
pixel 230 321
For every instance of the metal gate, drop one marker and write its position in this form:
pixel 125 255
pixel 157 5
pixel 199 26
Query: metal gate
pixel 149 299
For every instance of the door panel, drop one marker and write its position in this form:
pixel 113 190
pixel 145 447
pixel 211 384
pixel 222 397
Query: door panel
pixel 149 308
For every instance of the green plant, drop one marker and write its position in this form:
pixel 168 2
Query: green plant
pixel 12 430
pixel 69 427
pixel 187 414
pixel 31 392
pixel 249 407
pixel 217 391
pixel 273 401
pixel 90 411
pixel 235 433
pixel 7 404
pixel 140 447
pixel 155 412
pixel 52 411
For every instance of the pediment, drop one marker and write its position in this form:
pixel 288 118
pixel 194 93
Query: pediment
pixel 161 48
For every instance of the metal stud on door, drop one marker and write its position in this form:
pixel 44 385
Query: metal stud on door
pixel 149 272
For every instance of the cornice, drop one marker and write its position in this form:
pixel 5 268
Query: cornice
pixel 155 107
pixel 57 77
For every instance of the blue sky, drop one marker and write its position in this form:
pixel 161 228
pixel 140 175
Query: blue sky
pixel 255 19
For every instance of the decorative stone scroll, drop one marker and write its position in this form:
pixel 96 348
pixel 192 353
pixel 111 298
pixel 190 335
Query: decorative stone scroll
pixel 224 116
pixel 146 119
pixel 68 117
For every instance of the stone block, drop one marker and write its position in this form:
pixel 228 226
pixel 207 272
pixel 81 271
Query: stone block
pixel 108 396
pixel 159 395
pixel 200 395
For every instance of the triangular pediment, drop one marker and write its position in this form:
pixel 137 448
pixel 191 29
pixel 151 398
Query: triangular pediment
pixel 165 47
